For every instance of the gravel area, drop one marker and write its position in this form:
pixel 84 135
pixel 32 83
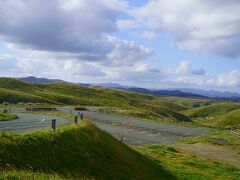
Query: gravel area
pixel 129 130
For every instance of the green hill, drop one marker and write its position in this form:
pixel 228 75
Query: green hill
pixel 73 152
pixel 62 93
pixel 230 120
pixel 17 85
pixel 213 110
pixel 222 114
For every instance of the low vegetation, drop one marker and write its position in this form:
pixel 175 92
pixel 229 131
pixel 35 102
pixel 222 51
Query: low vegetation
pixel 7 117
pixel 187 166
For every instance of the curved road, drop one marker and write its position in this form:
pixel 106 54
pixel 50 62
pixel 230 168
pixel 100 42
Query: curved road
pixel 130 131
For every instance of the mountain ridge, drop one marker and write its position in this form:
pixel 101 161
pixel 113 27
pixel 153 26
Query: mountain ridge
pixel 180 92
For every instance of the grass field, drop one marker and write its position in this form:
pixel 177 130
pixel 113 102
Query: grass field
pixel 188 166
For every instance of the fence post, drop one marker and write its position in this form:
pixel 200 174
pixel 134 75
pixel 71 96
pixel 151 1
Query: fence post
pixel 54 124
pixel 76 119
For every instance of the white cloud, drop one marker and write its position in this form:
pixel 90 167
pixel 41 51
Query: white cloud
pixel 228 79
pixel 141 74
pixel 72 70
pixel 126 53
pixel 203 26
pixel 183 67
pixel 75 29
pixel 126 24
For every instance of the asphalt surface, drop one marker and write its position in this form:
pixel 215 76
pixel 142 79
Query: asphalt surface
pixel 28 122
pixel 137 132
pixel 128 130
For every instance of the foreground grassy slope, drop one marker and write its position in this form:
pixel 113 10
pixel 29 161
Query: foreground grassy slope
pixel 83 152
pixel 140 105
pixel 7 117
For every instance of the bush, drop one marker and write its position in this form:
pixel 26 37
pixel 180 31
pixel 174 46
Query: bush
pixel 196 104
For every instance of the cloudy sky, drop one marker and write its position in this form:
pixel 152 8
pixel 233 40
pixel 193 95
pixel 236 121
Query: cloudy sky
pixel 146 43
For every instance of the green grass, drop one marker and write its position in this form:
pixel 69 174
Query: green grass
pixel 25 174
pixel 224 115
pixel 186 166
pixel 230 120
pixel 205 139
pixel 73 152
pixel 7 117
pixel 213 110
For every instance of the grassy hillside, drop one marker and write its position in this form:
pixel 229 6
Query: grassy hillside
pixel 222 115
pixel 213 110
pixel 230 120
pixel 189 102
pixel 140 105
pixel 73 152
pixel 157 108
pixel 7 117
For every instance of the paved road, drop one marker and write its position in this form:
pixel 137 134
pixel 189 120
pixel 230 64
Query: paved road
pixel 138 132
pixel 131 131
pixel 29 122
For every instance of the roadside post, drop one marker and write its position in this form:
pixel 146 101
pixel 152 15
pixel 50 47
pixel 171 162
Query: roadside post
pixel 81 116
pixel 54 124
pixel 76 119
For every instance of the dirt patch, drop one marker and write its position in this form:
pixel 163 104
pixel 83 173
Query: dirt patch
pixel 227 154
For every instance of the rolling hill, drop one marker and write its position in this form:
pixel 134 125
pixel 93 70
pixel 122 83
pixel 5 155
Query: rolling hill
pixel 63 93
pixel 223 115
pixel 126 103
pixel 213 110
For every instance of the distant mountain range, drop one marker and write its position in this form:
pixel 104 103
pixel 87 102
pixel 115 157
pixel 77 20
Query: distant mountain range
pixel 181 92
pixel 211 93
pixel 32 79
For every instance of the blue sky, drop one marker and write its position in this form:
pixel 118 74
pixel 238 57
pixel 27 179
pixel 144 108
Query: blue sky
pixel 147 43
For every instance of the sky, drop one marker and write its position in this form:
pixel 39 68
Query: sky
pixel 155 44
